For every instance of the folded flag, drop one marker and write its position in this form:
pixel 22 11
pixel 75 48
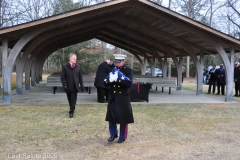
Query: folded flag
pixel 123 77
pixel 115 74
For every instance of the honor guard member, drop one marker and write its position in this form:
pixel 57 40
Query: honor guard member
pixel 119 110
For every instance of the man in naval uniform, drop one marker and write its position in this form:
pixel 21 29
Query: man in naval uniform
pixel 119 110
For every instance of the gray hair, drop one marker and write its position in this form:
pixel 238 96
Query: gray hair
pixel 71 54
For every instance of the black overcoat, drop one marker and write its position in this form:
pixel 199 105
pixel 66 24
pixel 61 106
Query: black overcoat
pixel 213 76
pixel 72 77
pixel 238 75
pixel 103 70
pixel 120 94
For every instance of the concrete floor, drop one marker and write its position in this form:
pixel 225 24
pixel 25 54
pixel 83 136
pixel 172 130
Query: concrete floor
pixel 41 94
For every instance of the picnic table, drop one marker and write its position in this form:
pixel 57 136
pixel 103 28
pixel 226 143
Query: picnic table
pixel 54 80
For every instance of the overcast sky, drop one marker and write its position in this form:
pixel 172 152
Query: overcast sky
pixel 165 3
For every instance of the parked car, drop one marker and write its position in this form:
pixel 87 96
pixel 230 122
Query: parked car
pixel 158 72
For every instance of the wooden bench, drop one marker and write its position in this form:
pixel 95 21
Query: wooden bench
pixel 157 82
pixel 54 80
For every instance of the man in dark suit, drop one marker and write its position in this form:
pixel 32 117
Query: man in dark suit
pixel 102 92
pixel 212 79
pixel 221 79
pixel 71 77
pixel 236 74
pixel 119 110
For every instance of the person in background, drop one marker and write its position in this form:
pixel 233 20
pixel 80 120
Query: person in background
pixel 103 70
pixel 221 79
pixel 183 72
pixel 119 110
pixel 205 73
pixel 236 79
pixel 212 79
pixel 111 64
pixel 71 77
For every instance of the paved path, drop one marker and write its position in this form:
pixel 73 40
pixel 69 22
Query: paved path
pixel 43 95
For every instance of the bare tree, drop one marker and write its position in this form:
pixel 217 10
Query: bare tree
pixel 14 12
pixel 234 15
pixel 158 1
pixel 214 6
pixel 34 9
pixel 61 6
pixel 169 4
pixel 191 8
pixel 8 14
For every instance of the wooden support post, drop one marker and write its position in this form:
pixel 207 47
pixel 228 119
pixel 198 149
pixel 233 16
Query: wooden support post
pixel 180 73
pixel 153 66
pixel 33 75
pixel 7 75
pixel 229 75
pixel 200 74
pixel 19 76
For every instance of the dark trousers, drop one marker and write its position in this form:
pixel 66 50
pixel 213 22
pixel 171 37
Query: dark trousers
pixel 102 94
pixel 123 130
pixel 113 127
pixel 212 85
pixel 72 100
pixel 237 89
pixel 222 86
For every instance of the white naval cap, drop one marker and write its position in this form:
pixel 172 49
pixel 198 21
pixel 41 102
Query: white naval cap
pixel 119 57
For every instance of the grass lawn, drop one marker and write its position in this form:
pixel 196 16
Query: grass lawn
pixel 162 131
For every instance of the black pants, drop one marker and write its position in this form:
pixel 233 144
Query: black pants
pixel 72 100
pixel 212 84
pixel 237 89
pixel 222 86
pixel 102 94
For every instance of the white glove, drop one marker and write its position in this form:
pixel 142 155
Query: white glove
pixel 113 77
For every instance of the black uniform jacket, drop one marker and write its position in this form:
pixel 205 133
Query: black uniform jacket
pixel 237 74
pixel 103 70
pixel 71 77
pixel 120 93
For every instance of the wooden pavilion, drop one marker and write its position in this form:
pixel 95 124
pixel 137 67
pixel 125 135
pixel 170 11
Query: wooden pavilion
pixel 141 27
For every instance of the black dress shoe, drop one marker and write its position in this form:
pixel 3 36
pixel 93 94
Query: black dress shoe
pixel 70 115
pixel 112 138
pixel 120 140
